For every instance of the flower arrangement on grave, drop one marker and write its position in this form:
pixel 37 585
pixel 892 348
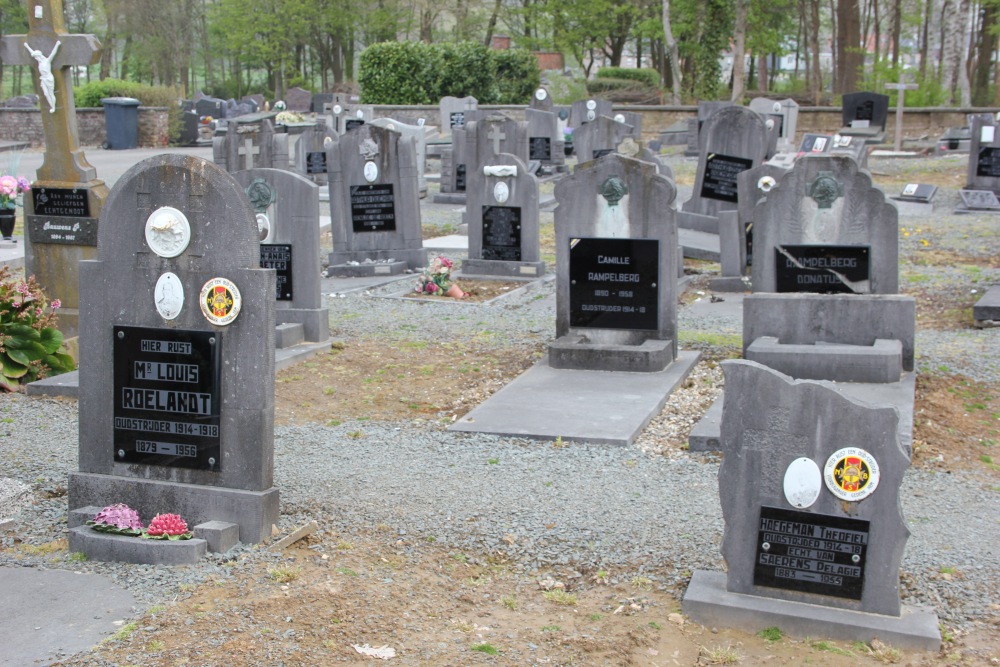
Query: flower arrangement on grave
pixel 11 189
pixel 286 117
pixel 118 519
pixel 31 347
pixel 436 279
pixel 167 527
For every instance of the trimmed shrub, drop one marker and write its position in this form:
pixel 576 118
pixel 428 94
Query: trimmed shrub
pixel 90 94
pixel 395 73
pixel 622 91
pixel 645 75
pixel 464 68
pixel 517 75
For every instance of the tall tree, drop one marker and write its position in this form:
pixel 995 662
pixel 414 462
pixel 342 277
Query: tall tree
pixel 739 49
pixel 850 57
pixel 989 21
pixel 673 54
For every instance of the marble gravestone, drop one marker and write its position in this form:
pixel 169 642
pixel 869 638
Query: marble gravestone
pixel 599 137
pixel 311 151
pixel 62 210
pixel 455 160
pixel 501 214
pixel 864 116
pixel 250 142
pixel 704 112
pixel 984 156
pixel 289 204
pixel 785 114
pixel 587 111
pixel 546 143
pixel 453 109
pixel 639 150
pixel 298 99
pixel 814 534
pixel 490 135
pixel 374 204
pixel 541 100
pixel 177 353
pixel 616 280
pixel 418 135
pixel 735 139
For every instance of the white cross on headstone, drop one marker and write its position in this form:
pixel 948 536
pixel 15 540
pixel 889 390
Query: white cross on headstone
pixel 901 88
pixel 497 135
pixel 248 150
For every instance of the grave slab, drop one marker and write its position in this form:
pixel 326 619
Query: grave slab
pixel 986 312
pixel 699 245
pixel 545 403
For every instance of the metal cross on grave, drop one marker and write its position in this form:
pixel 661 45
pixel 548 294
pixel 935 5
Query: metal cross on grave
pixel 497 135
pixel 901 88
pixel 51 51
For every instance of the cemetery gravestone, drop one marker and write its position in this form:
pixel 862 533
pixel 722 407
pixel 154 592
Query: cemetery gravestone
pixel 814 535
pixel 290 204
pixel 501 214
pixel 600 137
pixel 587 111
pixel 785 114
pixel 250 142
pixel 695 125
pixel 616 288
pixel 900 87
pixel 541 100
pixel 979 200
pixel 816 143
pixel 453 111
pixel 455 161
pixel 177 351
pixel 298 99
pixel 918 192
pixel 864 116
pixel 545 140
pixel 61 214
pixel 210 106
pixel 984 156
pixel 418 135
pixel 319 102
pixel 311 151
pixel 374 204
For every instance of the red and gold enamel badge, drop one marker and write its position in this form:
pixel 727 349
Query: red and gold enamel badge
pixel 220 301
pixel 851 474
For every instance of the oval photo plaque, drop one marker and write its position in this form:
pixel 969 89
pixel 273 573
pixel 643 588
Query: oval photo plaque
pixel 169 296
pixel 501 192
pixel 803 483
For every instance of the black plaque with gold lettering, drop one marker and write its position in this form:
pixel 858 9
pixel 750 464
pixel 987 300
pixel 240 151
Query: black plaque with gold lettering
pixel 168 396
pixel 824 269
pixel 719 181
pixel 373 208
pixel 502 233
pixel 614 283
pixel 812 553
pixel 61 202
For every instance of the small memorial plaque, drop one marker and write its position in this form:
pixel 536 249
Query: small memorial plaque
pixel 864 112
pixel 460 178
pixel 65 231
pixel 614 283
pixel 353 123
pixel 373 208
pixel 988 164
pixel 457 119
pixel 63 202
pixel 811 553
pixel 815 143
pixel 823 269
pixel 540 148
pixel 502 233
pixel 720 177
pixel 601 152
pixel 167 397
pixel 984 200
pixel 316 162
pixel 919 192
pixel 278 256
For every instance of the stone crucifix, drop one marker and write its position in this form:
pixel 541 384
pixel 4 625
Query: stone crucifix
pixel 497 135
pixel 64 161
pixel 900 88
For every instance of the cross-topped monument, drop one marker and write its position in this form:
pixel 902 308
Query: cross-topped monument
pixel 66 199
pixel 901 87
pixel 497 135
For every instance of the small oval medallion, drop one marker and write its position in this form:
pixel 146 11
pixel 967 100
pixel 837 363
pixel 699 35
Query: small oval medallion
pixel 802 482
pixel 169 296
pixel 501 192
pixel 337 109
pixel 168 232
pixel 263 226
pixel 220 301
pixel 851 474
pixel 619 118
pixel 591 104
pixel 541 94
pixel 591 115
pixel 371 171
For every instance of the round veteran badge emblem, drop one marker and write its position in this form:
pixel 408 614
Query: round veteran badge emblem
pixel 851 474
pixel 220 301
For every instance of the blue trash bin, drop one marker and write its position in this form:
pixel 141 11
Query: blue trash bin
pixel 121 122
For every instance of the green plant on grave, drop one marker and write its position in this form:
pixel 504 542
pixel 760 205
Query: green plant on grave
pixel 31 347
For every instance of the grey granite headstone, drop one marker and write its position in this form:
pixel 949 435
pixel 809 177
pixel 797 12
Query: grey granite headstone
pixel 864 115
pixel 546 142
pixel 418 135
pixel 616 279
pixel 599 137
pixel 541 99
pixel 319 102
pixel 589 110
pixel 501 214
pixel 918 192
pixel 455 161
pixel 784 113
pixel 984 155
pixel 695 139
pixel 298 99
pixel 735 139
pixel 640 150
pixel 809 486
pixel 374 204
pixel 852 146
pixel 177 369
pixel 311 151
pixel 250 142
pixel 826 202
pixel 210 106
pixel 290 203
pixel 453 110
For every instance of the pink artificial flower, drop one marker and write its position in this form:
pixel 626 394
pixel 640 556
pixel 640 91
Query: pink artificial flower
pixel 23 184
pixel 447 262
pixel 8 185
pixel 431 287
pixel 56 304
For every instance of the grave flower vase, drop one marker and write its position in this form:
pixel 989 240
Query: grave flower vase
pixel 455 292
pixel 7 223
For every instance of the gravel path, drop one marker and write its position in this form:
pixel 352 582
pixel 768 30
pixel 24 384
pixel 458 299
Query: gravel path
pixel 630 510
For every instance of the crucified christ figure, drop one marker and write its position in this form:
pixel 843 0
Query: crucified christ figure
pixel 45 77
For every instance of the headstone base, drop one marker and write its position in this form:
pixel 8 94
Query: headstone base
pixel 570 352
pixel 697 222
pixel 106 548
pixel 254 511
pixel 288 334
pixel 489 267
pixel 315 321
pixel 880 362
pixel 708 602
pixel 986 312
pixel 413 258
pixel 457 198
pixel 729 284
pixel 363 270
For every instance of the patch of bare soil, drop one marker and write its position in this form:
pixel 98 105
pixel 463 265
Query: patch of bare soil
pixel 476 291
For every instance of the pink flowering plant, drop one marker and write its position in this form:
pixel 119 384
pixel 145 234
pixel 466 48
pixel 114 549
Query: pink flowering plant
pixel 31 346
pixel 436 279
pixel 11 188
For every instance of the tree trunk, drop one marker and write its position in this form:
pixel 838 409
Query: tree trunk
pixel 849 56
pixel 962 74
pixel 762 73
pixel 878 36
pixel 673 54
pixel 817 72
pixel 739 50
pixel 925 38
pixel 897 28
pixel 492 24
pixel 951 48
pixel 834 48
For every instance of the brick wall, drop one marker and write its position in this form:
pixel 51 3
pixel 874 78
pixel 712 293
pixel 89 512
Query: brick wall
pixel 26 125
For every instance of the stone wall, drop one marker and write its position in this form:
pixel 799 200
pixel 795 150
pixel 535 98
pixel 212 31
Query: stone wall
pixel 26 125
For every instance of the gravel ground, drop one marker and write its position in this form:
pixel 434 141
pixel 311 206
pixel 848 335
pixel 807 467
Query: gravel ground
pixel 633 510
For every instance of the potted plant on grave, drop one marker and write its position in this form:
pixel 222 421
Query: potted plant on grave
pixel 11 188
pixel 436 279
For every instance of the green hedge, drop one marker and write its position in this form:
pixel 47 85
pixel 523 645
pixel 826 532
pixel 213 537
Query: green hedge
pixel 418 73
pixel 645 75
